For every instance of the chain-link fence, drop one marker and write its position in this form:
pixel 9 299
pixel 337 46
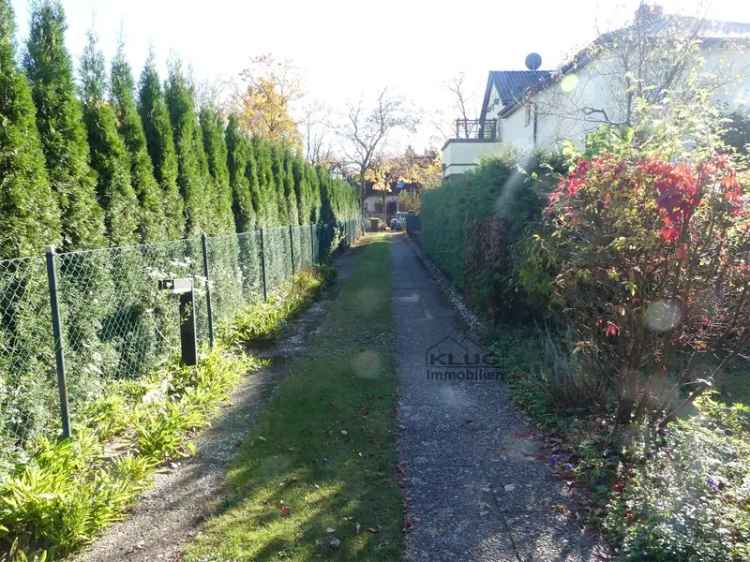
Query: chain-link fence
pixel 91 317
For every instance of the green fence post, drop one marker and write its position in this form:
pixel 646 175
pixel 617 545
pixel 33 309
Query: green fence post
pixel 209 307
pixel 263 276
pixel 291 248
pixel 58 341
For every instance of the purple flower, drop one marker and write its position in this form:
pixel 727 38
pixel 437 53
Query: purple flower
pixel 713 483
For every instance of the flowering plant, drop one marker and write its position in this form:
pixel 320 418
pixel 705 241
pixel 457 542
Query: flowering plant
pixel 653 268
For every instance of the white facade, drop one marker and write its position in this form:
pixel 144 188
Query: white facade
pixel 462 155
pixel 562 110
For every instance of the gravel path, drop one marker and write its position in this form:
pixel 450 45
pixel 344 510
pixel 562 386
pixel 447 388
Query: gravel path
pixel 168 515
pixel 477 487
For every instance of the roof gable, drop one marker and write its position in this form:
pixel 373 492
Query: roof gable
pixel 511 85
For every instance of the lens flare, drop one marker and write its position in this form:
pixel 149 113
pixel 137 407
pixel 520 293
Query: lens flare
pixel 569 83
pixel 367 365
pixel 662 316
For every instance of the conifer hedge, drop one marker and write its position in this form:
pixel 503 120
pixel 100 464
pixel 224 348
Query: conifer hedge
pixel 107 165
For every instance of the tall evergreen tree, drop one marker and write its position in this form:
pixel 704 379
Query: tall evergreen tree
pixel 157 127
pixel 314 183
pixel 267 208
pixel 61 129
pixel 242 173
pixel 30 216
pixel 192 178
pixel 215 146
pixel 279 175
pixel 290 195
pixel 109 157
pixel 152 222
pixel 301 190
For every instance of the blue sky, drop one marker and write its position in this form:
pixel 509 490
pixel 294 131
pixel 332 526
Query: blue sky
pixel 349 48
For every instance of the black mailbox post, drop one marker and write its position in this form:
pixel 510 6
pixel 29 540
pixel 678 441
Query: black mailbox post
pixel 188 331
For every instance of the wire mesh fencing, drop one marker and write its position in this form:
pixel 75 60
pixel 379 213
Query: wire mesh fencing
pixel 115 320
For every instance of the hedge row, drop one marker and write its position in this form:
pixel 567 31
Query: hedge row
pixel 472 222
pixel 75 164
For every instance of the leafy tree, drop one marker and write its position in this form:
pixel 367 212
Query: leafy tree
pixel 243 176
pixel 152 222
pixel 157 128
pixel 215 146
pixel 31 217
pixel 193 177
pixel 61 129
pixel 271 87
pixel 109 157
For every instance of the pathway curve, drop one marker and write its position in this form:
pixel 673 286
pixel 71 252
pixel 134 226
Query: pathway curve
pixel 475 487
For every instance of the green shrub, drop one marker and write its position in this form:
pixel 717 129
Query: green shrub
pixel 262 321
pixel 474 226
pixel 69 490
pixel 688 500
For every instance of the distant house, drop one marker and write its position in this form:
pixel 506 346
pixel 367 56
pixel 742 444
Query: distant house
pixel 386 205
pixel 528 109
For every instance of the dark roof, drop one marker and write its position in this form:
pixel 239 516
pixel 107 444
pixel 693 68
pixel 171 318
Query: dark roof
pixel 707 31
pixel 511 85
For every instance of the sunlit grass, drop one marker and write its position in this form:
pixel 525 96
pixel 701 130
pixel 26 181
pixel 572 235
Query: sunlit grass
pixel 316 479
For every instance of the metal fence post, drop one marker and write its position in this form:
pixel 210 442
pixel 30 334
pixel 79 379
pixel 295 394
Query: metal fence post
pixel 291 248
pixel 312 244
pixel 209 307
pixel 58 341
pixel 263 277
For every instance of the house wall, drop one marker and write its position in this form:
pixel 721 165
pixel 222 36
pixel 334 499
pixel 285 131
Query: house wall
pixel 560 114
pixel 372 200
pixel 460 156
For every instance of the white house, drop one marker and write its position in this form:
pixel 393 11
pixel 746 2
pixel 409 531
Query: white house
pixel 533 108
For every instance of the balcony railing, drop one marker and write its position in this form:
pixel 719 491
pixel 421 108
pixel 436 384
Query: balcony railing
pixel 476 129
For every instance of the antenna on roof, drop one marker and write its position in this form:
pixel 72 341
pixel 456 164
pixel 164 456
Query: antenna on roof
pixel 533 61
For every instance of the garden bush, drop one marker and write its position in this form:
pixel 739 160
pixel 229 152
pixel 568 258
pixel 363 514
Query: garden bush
pixel 651 271
pixel 473 224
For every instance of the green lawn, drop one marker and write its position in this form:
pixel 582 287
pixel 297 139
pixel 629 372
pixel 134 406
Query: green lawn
pixel 316 478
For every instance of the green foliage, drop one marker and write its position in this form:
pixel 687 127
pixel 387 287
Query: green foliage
pixel 193 177
pixel 30 213
pixel 157 127
pixel 688 498
pixel 72 489
pixel 109 156
pixel 263 321
pixel 474 225
pixel 243 175
pixel 216 150
pixel 152 220
pixel 61 128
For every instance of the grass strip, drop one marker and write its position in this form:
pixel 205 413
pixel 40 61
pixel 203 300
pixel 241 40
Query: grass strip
pixel 316 479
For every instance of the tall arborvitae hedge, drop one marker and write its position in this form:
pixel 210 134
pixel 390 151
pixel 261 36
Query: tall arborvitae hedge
pixel 314 185
pixel 157 127
pixel 61 129
pixel 267 208
pixel 109 157
pixel 30 217
pixel 151 220
pixel 215 146
pixel 279 174
pixel 242 174
pixel 192 178
pixel 290 195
